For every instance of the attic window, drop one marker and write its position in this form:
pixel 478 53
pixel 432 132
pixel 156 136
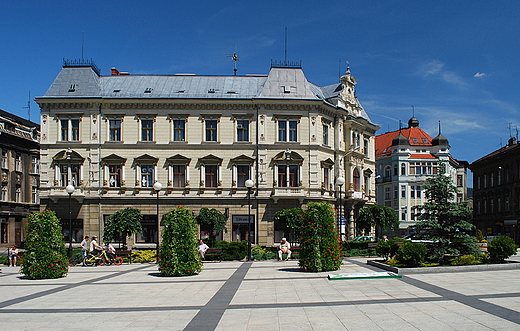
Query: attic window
pixel 415 140
pixel 424 140
pixel 231 92
pixel 117 90
pixel 148 90
pixel 211 90
pixel 180 91
pixel 72 88
pixel 286 89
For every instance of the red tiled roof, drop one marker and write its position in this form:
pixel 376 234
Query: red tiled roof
pixel 422 156
pixel 384 141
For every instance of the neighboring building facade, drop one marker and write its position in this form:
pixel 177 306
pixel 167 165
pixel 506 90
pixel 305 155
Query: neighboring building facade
pixel 20 176
pixel 496 192
pixel 202 137
pixel 405 159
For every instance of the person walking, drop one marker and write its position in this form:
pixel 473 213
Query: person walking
pixel 84 248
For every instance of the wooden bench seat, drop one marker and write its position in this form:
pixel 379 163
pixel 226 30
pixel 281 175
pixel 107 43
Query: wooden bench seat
pixel 214 252
pixel 125 253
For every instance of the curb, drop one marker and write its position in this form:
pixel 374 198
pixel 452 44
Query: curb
pixel 428 270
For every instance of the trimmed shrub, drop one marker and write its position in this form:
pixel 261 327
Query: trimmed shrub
pixel 500 248
pixel 179 254
pixel 144 256
pixel 233 250
pixel 45 255
pixel 465 260
pixel 411 254
pixel 319 242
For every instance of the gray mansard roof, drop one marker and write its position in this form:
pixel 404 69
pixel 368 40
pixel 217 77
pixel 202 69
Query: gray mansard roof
pixel 282 83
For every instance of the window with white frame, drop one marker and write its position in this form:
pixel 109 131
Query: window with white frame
pixel 18 162
pixel 115 175
pixel 4 160
pixel 356 180
pixel 288 175
pixel 403 191
pixel 3 193
pixel 69 129
pixel 35 165
pixel 211 175
pixel 179 130
pixel 387 193
pixel 403 169
pixel 287 130
pixel 35 195
pixel 68 174
pixel 242 130
pixel 114 129
pixel 211 130
pixel 326 178
pixel 147 175
pixel 178 175
pixel 18 194
pixel 243 174
pixel 147 129
pixel 325 134
pixel 396 195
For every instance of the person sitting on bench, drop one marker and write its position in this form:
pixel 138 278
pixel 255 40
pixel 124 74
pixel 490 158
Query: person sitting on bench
pixel 285 248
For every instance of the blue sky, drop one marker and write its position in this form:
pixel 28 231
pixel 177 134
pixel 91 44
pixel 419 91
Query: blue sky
pixel 454 61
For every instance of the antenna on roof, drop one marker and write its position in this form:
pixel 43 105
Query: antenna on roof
pixel 285 58
pixel 439 127
pixel 348 68
pixel 28 107
pixel 234 57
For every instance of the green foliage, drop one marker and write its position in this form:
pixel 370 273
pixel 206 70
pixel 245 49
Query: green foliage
pixel 387 248
pixel 121 224
pixel 358 252
pixel 500 248
pixel 465 260
pixel 178 254
pixel 291 218
pixel 233 250
pixel 480 236
pixel 444 221
pixel 319 242
pixel 376 216
pixel 411 254
pixel 45 254
pixel 144 256
pixel 213 220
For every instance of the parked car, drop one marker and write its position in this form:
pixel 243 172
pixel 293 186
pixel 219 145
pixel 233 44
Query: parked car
pixel 365 238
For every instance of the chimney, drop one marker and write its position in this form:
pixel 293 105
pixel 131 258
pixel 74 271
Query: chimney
pixel 115 72
pixel 511 141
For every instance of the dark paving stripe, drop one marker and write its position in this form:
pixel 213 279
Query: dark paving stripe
pixel 471 301
pixel 8 303
pixel 209 316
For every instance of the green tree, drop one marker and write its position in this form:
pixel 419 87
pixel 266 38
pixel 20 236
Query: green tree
pixel 123 223
pixel 320 249
pixel 178 255
pixel 45 254
pixel 378 217
pixel 213 220
pixel 443 220
pixel 291 218
pixel 500 248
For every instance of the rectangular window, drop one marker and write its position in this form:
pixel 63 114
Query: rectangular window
pixel 149 234
pixel 282 176
pixel 179 127
pixel 418 193
pixel 211 130
pixel 326 178
pixel 18 195
pixel 69 129
pixel 147 175
pixel 3 193
pixel 179 175
pixel 403 191
pixel 242 130
pixel 242 175
pixel 4 160
pixel 64 175
pixel 114 175
pixel 35 165
pixel 74 130
pixel 146 130
pixel 64 130
pixel 395 193
pixel 18 162
pixel 412 192
pixel 287 130
pixel 325 134
pixel 387 193
pixel 294 179
pixel 115 130
pixel 35 197
pixel 211 175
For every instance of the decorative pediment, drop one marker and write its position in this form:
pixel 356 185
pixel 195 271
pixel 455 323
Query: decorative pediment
pixel 68 155
pixel 243 159
pixel 327 163
pixel 178 159
pixel 288 156
pixel 145 158
pixel 113 159
pixel 210 159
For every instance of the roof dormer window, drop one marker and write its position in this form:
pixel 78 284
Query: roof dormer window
pixel 148 90
pixel 72 88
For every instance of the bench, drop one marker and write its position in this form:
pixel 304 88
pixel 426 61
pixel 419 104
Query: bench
pixel 125 253
pixel 214 252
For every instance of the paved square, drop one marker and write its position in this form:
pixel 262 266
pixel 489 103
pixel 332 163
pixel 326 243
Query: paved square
pixel 263 295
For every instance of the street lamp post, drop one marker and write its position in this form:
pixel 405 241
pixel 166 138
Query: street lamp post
pixel 70 189
pixel 157 187
pixel 249 184
pixel 340 181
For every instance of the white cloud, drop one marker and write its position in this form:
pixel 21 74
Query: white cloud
pixel 435 68
pixel 480 75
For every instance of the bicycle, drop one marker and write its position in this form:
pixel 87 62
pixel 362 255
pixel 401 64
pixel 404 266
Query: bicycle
pixel 102 259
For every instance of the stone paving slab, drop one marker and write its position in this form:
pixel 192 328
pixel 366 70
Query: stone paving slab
pixel 263 295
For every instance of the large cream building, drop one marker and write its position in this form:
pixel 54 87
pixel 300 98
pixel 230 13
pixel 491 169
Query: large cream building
pixel 112 137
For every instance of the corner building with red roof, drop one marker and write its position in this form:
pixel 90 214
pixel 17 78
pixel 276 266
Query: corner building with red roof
pixel 405 159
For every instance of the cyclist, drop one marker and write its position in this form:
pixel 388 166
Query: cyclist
pixel 95 249
pixel 111 251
